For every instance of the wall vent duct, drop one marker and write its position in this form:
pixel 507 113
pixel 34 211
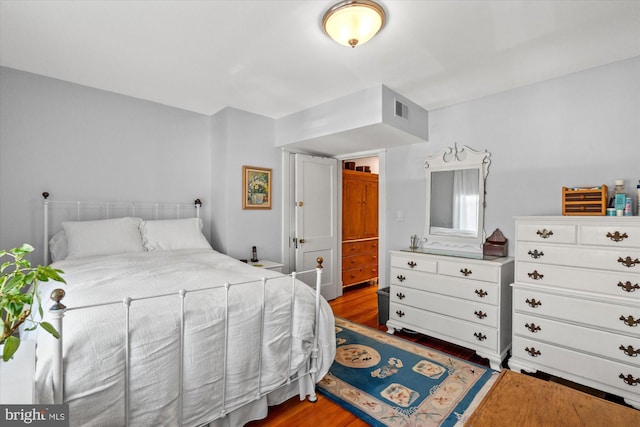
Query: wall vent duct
pixel 402 110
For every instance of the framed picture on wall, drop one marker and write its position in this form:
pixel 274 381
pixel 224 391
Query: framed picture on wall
pixel 256 188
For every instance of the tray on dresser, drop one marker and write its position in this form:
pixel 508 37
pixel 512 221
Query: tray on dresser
pixel 584 201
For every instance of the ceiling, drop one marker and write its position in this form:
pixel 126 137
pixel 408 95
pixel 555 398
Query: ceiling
pixel 272 57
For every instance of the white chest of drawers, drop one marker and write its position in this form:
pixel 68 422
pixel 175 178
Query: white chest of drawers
pixel 576 301
pixel 460 300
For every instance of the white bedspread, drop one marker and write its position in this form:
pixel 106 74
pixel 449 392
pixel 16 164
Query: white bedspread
pixel 94 337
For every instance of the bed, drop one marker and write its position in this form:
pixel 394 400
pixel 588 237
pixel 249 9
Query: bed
pixel 160 329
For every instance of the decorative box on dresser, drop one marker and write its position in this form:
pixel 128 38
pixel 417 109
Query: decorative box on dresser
pixel 576 301
pixel 461 300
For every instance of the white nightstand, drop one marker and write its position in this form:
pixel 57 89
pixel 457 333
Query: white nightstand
pixel 269 265
pixel 17 375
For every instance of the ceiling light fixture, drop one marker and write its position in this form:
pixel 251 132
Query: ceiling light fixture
pixel 353 22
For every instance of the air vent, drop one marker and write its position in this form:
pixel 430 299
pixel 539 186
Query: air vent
pixel 402 110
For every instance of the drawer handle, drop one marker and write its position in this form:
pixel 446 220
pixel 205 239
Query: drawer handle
pixel 465 272
pixel 480 314
pixel 629 380
pixel 401 278
pixel 533 303
pixel 533 352
pixel 628 287
pixel 535 275
pixel 533 328
pixel 628 262
pixel 617 237
pixel 400 295
pixel 479 336
pixel 481 293
pixel 545 234
pixel 630 321
pixel 630 351
pixel 400 313
pixel 535 254
pixel 411 264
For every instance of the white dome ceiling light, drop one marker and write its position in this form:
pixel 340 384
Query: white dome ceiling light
pixel 353 22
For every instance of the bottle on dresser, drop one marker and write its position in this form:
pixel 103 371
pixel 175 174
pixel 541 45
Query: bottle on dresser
pixel 619 197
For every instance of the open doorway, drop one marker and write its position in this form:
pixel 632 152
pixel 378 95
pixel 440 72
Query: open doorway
pixel 360 221
pixel 289 216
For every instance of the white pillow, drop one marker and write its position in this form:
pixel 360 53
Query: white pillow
pixel 103 237
pixel 169 234
pixel 58 246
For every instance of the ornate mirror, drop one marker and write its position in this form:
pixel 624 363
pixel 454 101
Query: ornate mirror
pixel 455 201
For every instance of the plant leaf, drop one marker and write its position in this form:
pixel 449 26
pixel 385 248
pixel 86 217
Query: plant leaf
pixel 11 344
pixel 40 311
pixel 24 249
pixel 55 274
pixel 49 328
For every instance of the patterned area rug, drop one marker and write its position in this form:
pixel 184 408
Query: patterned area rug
pixel 388 381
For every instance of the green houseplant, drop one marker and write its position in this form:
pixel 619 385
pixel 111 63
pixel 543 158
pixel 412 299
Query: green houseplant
pixel 19 296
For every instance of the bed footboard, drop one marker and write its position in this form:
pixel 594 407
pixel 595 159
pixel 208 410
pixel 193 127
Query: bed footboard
pixel 58 310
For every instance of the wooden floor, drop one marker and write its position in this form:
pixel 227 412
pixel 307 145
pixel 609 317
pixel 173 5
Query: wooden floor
pixel 360 304
pixel 529 402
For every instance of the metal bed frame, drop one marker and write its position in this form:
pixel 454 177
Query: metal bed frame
pixel 58 310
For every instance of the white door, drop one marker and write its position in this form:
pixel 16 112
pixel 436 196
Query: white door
pixel 316 220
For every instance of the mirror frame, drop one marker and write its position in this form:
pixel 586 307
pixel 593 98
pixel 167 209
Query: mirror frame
pixel 451 159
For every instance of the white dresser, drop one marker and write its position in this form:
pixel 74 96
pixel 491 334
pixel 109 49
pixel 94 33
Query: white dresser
pixel 461 300
pixel 576 301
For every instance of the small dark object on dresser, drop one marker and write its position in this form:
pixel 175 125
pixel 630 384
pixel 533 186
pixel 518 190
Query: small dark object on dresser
pixel 496 244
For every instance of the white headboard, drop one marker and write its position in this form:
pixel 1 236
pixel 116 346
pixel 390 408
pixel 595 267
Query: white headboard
pixel 57 211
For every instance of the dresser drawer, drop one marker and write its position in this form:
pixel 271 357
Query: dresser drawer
pixel 466 270
pixel 618 284
pixel 623 259
pixel 616 317
pixel 359 246
pixel 467 310
pixel 487 293
pixel 546 232
pixel 359 260
pixel 615 235
pixel 359 274
pixel 415 263
pixel 623 348
pixel 582 365
pixel 444 326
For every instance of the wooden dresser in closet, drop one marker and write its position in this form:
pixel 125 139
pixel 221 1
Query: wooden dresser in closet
pixel 359 227
pixel 576 301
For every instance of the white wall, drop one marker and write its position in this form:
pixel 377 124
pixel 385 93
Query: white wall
pixel 74 141
pixel 81 143
pixel 219 188
pixel 579 130
pixel 245 139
